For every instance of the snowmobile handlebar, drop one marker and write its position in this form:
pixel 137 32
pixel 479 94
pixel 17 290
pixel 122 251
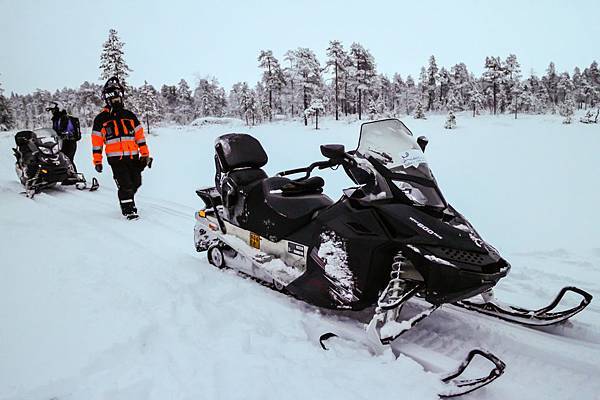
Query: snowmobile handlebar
pixel 308 170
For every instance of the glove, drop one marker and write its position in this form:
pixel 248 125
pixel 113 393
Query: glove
pixel 143 163
pixel 98 168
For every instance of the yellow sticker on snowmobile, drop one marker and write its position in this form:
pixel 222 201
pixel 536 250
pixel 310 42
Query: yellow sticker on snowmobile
pixel 254 240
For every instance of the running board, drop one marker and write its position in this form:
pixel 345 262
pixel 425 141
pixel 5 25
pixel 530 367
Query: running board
pixel 542 317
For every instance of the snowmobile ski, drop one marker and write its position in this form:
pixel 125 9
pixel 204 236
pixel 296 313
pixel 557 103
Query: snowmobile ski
pixel 455 384
pixel 541 317
pixel 95 185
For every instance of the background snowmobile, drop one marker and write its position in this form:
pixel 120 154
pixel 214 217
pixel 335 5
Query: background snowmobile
pixel 389 239
pixel 40 163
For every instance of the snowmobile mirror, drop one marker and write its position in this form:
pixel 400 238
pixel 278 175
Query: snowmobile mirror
pixel 422 141
pixel 333 151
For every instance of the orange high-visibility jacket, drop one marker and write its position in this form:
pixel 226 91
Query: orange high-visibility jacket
pixel 121 133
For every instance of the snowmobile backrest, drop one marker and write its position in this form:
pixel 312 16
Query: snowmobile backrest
pixel 22 138
pixel 239 150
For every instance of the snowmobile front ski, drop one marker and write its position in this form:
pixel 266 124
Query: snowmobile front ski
pixel 458 387
pixel 455 383
pixel 82 184
pixel 541 317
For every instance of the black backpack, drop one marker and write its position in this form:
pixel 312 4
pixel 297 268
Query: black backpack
pixel 70 129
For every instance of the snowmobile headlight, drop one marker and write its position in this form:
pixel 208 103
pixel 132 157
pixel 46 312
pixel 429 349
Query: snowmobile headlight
pixel 46 150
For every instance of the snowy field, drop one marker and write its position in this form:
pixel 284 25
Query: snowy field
pixel 96 307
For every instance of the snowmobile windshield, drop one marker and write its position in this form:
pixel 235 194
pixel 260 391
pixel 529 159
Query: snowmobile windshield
pixel 46 140
pixel 392 145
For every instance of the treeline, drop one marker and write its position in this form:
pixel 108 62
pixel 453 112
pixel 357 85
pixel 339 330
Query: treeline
pixel 346 83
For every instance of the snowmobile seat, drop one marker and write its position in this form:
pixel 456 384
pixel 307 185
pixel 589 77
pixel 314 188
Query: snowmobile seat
pixel 288 187
pixel 239 158
pixel 296 201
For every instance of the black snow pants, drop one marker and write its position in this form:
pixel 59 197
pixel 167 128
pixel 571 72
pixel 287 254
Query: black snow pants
pixel 69 147
pixel 128 176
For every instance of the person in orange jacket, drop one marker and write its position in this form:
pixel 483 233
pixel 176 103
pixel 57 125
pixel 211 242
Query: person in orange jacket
pixel 119 131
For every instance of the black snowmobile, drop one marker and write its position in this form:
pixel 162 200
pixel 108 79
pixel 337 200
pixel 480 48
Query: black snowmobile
pixel 41 164
pixel 390 238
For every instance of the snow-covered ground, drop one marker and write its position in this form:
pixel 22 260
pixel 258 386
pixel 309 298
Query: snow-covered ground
pixel 96 307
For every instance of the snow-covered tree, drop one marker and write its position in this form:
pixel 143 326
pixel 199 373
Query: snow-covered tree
pixel 494 75
pixel 316 108
pixel 209 98
pixel 550 81
pixel 476 99
pixel 112 62
pixel 185 103
pixel 419 114
pixel 567 109
pixel 337 60
pixel 430 82
pixel 6 116
pixel 450 121
pixel 410 95
pixel 365 71
pixel 273 78
pixel 512 82
pixel 147 104
pixel 308 73
pixel 398 92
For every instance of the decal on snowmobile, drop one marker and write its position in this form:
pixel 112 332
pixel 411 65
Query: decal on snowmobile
pixel 254 240
pixel 478 242
pixel 425 228
pixel 412 158
pixel 296 249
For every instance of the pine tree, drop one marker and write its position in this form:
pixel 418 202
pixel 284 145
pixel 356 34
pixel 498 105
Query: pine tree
pixel 147 105
pixel 365 71
pixel 419 114
pixel 185 103
pixel 112 62
pixel 550 80
pixel 450 121
pixel 398 91
pixel 494 74
pixel 567 109
pixel 476 99
pixel 6 115
pixel 432 77
pixel 337 58
pixel 308 71
pixel 512 82
pixel 273 78
pixel 410 94
pixel 316 107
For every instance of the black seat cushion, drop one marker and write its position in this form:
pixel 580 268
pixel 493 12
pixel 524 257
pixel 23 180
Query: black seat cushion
pixel 239 150
pixel 302 204
pixel 290 187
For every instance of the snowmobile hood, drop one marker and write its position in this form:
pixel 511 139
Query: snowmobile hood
pixel 416 226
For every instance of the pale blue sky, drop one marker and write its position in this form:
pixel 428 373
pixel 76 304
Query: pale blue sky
pixel 52 44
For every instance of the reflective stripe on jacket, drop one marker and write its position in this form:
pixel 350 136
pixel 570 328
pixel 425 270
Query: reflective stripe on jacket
pixel 120 132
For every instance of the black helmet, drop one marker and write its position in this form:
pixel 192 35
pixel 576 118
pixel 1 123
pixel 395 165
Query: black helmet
pixel 113 92
pixel 53 108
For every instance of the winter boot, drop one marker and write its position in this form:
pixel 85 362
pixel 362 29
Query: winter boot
pixel 128 209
